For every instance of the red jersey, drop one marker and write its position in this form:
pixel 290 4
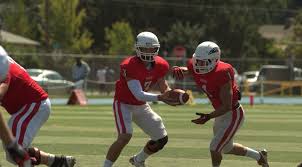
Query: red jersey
pixel 212 82
pixel 134 68
pixel 22 89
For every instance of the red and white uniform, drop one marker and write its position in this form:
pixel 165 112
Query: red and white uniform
pixel 226 125
pixel 26 102
pixel 127 108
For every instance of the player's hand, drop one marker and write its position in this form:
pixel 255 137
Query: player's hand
pixel 202 119
pixel 177 73
pixel 18 154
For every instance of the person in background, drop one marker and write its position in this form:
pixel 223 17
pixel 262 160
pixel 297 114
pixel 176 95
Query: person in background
pixel 101 75
pixel 80 72
pixel 110 78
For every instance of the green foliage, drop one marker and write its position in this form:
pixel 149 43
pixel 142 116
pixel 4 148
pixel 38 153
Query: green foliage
pixel 62 26
pixel 15 19
pixel 184 34
pixel 120 40
pixel 295 46
pixel 19 54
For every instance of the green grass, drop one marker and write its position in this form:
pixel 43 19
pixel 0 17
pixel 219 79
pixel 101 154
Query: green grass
pixel 87 132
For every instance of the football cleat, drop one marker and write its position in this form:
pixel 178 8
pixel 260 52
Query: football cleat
pixel 263 158
pixel 63 161
pixel 135 163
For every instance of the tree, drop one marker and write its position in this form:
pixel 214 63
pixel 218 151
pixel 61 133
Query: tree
pixel 120 40
pixel 296 45
pixel 15 19
pixel 61 26
pixel 184 34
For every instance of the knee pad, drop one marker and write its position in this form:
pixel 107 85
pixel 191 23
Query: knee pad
pixel 155 146
pixel 35 155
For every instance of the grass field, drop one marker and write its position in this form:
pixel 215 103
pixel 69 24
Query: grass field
pixel 87 132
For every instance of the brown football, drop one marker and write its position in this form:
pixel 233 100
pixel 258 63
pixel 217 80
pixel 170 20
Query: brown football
pixel 179 95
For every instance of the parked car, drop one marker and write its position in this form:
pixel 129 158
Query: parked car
pixel 238 78
pixel 250 76
pixel 278 73
pixel 249 79
pixel 51 81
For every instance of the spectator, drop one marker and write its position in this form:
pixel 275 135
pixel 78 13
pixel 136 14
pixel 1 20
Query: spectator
pixel 109 79
pixel 80 71
pixel 101 75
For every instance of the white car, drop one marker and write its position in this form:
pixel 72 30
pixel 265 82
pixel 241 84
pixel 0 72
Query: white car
pixel 250 76
pixel 51 81
pixel 250 80
pixel 237 77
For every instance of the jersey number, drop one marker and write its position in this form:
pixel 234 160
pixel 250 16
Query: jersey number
pixel 147 85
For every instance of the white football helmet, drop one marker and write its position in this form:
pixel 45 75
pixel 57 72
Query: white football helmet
pixel 206 57
pixel 146 46
pixel 4 64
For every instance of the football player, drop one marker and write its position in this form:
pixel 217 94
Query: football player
pixel 29 107
pixel 137 75
pixel 20 156
pixel 216 79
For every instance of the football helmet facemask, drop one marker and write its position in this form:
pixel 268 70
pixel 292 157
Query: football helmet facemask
pixel 206 57
pixel 146 46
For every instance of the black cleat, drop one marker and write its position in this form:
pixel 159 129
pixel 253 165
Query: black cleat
pixel 63 161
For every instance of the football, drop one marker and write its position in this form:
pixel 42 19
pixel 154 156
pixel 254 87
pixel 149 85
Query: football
pixel 178 96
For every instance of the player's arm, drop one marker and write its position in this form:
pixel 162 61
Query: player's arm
pixel 18 154
pixel 225 95
pixel 6 135
pixel 138 92
pixel 3 90
pixel 163 85
pixel 179 72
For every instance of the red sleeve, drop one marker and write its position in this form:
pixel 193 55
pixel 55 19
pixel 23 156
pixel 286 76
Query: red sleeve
pixel 164 68
pixel 226 75
pixel 128 70
pixel 190 66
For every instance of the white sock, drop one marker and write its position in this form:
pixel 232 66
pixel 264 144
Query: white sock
pixel 252 154
pixel 141 156
pixel 108 163
pixel 51 159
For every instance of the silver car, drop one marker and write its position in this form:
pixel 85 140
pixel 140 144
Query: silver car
pixel 51 81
